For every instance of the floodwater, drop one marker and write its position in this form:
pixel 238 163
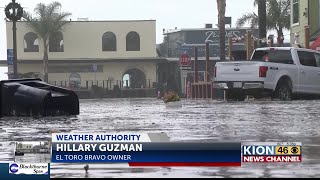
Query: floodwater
pixel 34 157
pixel 201 120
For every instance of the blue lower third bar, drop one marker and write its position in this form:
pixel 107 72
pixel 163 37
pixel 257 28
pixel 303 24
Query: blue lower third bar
pixel 185 153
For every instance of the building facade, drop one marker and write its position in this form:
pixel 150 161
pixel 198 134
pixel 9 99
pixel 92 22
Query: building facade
pixel 183 41
pixel 103 53
pixel 304 13
pixel 26 148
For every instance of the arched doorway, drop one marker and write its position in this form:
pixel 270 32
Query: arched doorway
pixel 134 78
pixel 75 81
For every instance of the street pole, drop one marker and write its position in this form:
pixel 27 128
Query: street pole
pixel 230 46
pixel 15 68
pixel 17 13
pixel 14 38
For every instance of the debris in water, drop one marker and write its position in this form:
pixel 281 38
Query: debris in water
pixel 53 131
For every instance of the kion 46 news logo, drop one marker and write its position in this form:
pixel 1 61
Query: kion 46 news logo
pixel 39 168
pixel 268 152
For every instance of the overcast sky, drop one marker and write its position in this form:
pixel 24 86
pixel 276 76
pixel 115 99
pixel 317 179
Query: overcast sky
pixel 167 13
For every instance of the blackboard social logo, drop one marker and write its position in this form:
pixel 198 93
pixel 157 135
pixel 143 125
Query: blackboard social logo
pixel 14 168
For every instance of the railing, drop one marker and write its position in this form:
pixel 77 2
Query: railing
pixel 105 84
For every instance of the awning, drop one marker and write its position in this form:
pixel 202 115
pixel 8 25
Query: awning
pixel 316 44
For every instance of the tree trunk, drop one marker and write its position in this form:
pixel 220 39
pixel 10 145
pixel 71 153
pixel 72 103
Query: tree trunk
pixel 262 21
pixel 45 61
pixel 222 29
pixel 280 37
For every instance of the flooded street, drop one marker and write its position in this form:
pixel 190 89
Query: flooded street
pixel 216 121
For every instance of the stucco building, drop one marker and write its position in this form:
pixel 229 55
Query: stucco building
pixel 23 147
pixel 92 53
pixel 304 13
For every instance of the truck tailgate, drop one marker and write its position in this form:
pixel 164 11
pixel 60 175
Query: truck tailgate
pixel 237 71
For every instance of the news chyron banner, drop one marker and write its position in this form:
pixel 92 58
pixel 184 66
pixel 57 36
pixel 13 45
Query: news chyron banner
pixel 137 149
pixel 272 152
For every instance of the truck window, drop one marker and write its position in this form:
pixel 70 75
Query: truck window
pixel 307 58
pixel 274 56
pixel 317 56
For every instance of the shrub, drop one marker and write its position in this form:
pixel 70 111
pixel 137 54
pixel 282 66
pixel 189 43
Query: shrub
pixel 171 97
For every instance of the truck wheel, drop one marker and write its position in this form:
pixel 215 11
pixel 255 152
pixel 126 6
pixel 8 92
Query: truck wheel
pixel 284 93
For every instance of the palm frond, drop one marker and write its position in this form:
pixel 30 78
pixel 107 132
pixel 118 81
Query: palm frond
pixel 254 21
pixel 60 22
pixel 251 18
pixel 278 15
pixel 27 16
pixel 40 11
pixel 47 20
pixel 53 8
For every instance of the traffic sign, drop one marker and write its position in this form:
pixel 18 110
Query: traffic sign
pixel 10 56
pixel 185 68
pixel 184 60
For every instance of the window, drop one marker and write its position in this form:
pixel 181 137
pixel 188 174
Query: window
pixel 31 42
pixel 317 56
pixel 133 41
pixel 56 43
pixel 274 56
pixel 109 42
pixel 295 11
pixel 307 58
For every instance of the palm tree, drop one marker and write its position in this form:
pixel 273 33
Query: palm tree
pixel 48 22
pixel 222 29
pixel 278 17
pixel 262 19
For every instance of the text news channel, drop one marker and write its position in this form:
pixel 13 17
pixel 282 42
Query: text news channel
pixel 34 159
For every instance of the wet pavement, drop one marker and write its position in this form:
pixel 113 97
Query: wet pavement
pixel 201 120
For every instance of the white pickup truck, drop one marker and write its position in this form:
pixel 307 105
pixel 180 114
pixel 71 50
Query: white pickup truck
pixel 283 73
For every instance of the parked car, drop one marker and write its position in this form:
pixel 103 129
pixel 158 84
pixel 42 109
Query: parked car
pixel 284 73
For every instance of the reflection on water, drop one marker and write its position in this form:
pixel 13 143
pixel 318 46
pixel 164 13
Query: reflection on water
pixel 215 121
